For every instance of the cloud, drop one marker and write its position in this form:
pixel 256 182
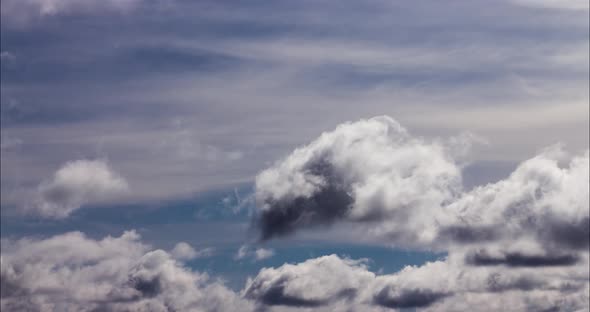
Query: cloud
pixel 521 242
pixel 184 251
pixel 257 254
pixel 337 284
pixel 75 184
pixel 363 171
pixel 313 283
pixel 71 271
pixel 263 253
pixel 25 11
pixel 408 192
pixel 123 274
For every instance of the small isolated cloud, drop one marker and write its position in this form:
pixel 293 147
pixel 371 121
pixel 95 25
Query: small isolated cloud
pixel 75 184
pixel 184 251
pixel 263 253
pixel 256 254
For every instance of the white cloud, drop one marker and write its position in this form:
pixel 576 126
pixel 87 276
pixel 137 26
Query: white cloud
pixel 73 272
pixel 408 192
pixel 75 184
pixel 364 171
pixel 518 244
pixel 263 253
pixel 257 254
pixel 184 251
pixel 331 283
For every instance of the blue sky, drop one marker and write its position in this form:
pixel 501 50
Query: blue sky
pixel 194 121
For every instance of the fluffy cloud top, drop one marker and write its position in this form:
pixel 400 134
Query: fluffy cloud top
pixel 364 171
pixel 75 184
pixel 520 244
pixel 408 192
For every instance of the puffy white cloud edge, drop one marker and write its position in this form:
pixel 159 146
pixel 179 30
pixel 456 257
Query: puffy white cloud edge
pixel 75 184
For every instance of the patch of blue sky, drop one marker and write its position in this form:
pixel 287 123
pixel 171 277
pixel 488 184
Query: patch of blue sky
pixel 380 259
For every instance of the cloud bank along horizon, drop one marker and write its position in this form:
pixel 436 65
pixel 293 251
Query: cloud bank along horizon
pixel 517 244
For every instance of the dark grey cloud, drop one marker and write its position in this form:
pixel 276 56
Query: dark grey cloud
pixel 324 207
pixel 522 260
pixel 469 234
pixel 408 298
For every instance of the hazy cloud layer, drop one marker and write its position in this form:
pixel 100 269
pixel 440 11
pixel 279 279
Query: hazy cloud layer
pixel 249 82
pixel 75 184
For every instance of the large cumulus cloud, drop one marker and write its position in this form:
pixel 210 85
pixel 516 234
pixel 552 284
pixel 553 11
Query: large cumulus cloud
pixel 519 244
pixel 366 171
pixel 408 191
pixel 75 184
pixel 71 272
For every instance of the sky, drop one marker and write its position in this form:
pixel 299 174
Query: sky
pixel 176 155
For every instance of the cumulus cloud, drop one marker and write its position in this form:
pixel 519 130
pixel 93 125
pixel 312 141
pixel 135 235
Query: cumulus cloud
pixel 408 192
pixel 75 184
pixel 336 284
pixel 71 272
pixel 364 171
pixel 519 244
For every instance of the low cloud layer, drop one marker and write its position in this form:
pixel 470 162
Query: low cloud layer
pixel 72 272
pixel 337 284
pixel 75 184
